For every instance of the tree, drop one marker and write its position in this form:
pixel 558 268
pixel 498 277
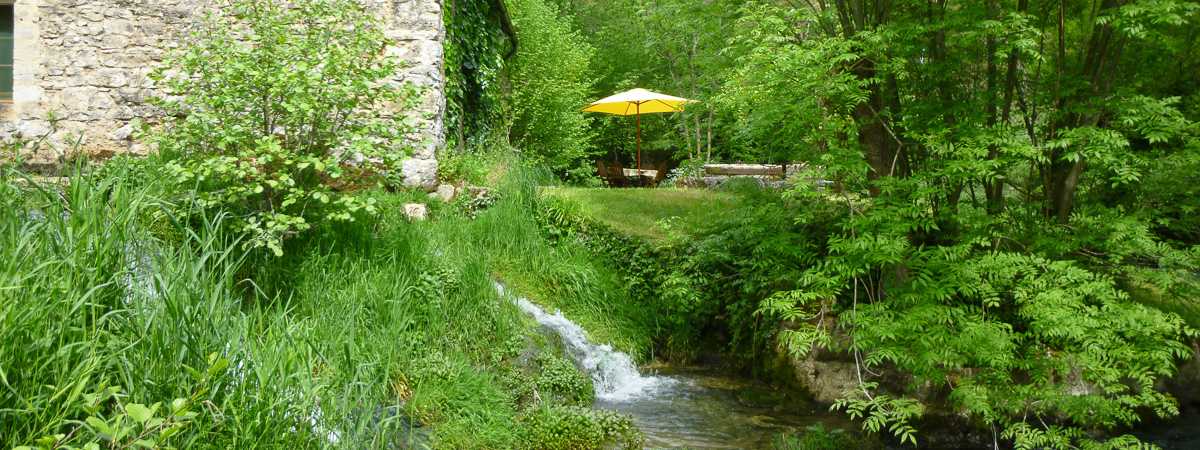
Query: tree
pixel 277 107
pixel 1027 288
pixel 551 82
pixel 673 46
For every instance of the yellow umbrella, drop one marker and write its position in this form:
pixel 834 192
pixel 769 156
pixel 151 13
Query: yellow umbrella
pixel 636 102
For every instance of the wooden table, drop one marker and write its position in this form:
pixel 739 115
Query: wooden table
pixel 631 173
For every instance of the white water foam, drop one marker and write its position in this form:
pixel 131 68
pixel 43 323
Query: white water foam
pixel 614 376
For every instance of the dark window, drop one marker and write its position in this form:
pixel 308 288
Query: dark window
pixel 7 25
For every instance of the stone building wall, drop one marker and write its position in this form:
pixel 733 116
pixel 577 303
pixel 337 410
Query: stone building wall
pixel 86 62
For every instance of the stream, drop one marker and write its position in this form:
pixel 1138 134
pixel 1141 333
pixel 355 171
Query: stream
pixel 699 408
pixel 677 407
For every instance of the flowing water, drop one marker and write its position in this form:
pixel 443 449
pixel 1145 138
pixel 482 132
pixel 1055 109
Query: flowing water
pixel 683 407
pixel 701 409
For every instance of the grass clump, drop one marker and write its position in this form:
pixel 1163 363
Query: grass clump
pixel 99 318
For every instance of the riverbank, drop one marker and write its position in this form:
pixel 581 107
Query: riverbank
pixel 710 268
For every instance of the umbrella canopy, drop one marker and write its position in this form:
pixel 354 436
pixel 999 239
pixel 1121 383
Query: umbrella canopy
pixel 636 102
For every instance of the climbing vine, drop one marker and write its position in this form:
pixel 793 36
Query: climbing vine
pixel 476 46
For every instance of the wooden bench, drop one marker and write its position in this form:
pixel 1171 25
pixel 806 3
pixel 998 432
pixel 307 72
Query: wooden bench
pixel 762 170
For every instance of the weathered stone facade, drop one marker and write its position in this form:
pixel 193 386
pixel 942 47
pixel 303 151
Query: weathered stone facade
pixel 86 62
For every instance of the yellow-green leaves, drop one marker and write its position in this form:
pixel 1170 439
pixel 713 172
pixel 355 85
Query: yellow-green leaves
pixel 275 126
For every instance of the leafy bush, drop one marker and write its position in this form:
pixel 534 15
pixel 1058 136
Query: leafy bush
pixel 578 428
pixel 114 424
pixel 279 107
pixel 551 83
pixel 988 327
pixel 559 377
pixel 688 174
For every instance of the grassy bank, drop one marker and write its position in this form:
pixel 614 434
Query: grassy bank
pixel 373 332
pixel 567 276
pixel 699 261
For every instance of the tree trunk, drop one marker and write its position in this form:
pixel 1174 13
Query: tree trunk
pixel 944 88
pixel 687 134
pixel 877 144
pixel 1099 63
pixel 880 144
pixel 993 189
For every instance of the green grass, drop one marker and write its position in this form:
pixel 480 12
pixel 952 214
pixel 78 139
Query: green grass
pixel 642 212
pixel 562 276
pixel 354 319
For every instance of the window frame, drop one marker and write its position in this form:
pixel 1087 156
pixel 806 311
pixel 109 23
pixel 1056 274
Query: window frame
pixel 7 97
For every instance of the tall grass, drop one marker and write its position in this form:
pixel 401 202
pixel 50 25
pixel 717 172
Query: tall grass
pixel 364 335
pixel 89 298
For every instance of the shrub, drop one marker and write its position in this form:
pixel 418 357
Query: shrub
pixel 551 82
pixel 276 112
pixel 559 377
pixel 578 428
pixel 688 174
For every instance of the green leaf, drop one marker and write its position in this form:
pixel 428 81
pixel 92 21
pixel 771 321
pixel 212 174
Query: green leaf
pixel 99 425
pixel 139 412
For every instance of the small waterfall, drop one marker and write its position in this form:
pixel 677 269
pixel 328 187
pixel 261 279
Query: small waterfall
pixel 613 373
pixel 138 279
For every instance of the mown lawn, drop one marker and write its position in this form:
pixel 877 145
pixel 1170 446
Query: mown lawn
pixel 645 213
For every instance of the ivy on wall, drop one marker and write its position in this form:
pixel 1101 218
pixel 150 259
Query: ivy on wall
pixel 478 40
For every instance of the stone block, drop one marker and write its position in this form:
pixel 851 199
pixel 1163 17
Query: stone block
pixel 123 133
pixel 445 192
pixel 415 211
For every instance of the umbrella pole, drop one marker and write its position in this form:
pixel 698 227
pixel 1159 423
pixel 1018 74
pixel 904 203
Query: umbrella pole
pixel 639 141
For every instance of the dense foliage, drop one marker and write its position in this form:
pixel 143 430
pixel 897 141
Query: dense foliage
pixel 1011 215
pixel 126 328
pixel 132 315
pixel 992 242
pixel 552 83
pixel 1004 235
pixel 275 108
pixel 518 75
pixel 475 52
